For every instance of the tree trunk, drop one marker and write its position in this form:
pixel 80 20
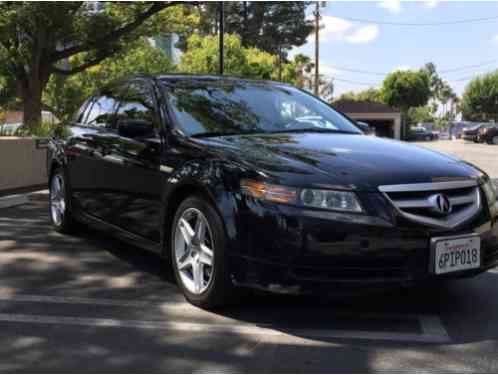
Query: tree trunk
pixel 32 105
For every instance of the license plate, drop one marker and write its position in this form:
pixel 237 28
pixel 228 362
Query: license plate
pixel 456 254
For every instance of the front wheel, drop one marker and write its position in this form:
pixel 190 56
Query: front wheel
pixel 494 140
pixel 198 254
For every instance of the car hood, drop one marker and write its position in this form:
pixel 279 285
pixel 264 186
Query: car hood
pixel 357 161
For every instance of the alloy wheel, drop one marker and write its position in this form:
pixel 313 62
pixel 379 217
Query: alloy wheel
pixel 194 255
pixel 57 200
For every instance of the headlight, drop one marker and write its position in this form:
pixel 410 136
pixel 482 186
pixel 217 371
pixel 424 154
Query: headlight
pixel 325 199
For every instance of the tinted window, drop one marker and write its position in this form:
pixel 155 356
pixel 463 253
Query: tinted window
pixel 228 107
pixel 82 113
pixel 102 110
pixel 137 103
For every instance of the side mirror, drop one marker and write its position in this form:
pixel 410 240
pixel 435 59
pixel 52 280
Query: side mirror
pixel 364 127
pixel 135 128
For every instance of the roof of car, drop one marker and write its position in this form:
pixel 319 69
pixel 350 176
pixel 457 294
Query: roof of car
pixel 182 77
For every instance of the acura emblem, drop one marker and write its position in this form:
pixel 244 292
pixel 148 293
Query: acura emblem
pixel 440 204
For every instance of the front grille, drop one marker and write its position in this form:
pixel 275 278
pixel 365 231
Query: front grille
pixel 419 202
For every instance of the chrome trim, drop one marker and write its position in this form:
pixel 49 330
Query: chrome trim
pixel 452 220
pixel 425 203
pixel 432 186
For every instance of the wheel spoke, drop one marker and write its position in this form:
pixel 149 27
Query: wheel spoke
pixel 198 275
pixel 187 231
pixel 206 255
pixel 200 229
pixel 185 261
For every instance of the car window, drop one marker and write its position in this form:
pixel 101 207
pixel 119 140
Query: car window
pixel 83 111
pixel 204 108
pixel 137 103
pixel 102 110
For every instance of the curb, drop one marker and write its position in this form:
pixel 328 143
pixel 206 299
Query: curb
pixel 20 199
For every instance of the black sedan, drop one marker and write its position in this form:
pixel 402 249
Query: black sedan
pixel 475 133
pixel 489 134
pixel 259 184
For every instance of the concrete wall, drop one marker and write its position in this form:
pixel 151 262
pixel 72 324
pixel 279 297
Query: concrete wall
pixel 22 164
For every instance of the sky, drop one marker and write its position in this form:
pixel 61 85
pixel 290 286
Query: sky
pixel 382 48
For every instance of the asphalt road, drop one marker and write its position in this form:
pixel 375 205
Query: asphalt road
pixel 88 303
pixel 483 155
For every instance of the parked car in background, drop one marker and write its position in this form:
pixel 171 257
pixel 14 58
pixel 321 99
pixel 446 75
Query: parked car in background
pixel 258 184
pixel 475 133
pixel 419 133
pixel 489 134
pixel 10 129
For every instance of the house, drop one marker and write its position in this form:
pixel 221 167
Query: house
pixel 385 120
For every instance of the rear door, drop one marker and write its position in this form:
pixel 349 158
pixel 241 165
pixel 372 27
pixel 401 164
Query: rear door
pixel 82 150
pixel 94 144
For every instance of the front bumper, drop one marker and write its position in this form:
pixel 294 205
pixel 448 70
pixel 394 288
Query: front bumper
pixel 291 250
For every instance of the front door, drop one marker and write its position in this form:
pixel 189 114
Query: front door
pixel 133 178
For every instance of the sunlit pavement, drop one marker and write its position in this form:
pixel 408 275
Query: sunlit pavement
pixel 87 303
pixel 482 155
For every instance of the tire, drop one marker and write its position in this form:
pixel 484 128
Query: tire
pixel 59 204
pixel 215 288
pixel 494 140
pixel 428 138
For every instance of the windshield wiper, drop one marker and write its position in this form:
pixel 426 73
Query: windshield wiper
pixel 314 130
pixel 213 134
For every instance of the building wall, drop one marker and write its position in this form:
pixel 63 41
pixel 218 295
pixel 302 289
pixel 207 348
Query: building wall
pixel 394 117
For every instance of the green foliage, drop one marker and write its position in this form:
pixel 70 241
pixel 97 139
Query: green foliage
pixel 270 26
pixel 201 57
pixel 370 94
pixel 36 39
pixel 64 95
pixel 480 99
pixel 403 89
pixel 417 115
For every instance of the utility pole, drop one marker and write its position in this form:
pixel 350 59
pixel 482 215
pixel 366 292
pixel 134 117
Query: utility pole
pixel 221 36
pixel 317 48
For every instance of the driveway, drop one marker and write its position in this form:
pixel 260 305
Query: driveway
pixel 88 303
pixel 482 155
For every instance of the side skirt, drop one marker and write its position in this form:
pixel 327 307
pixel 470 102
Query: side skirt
pixel 118 232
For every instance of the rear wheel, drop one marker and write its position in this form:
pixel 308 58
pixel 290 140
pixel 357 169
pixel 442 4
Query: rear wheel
pixel 59 208
pixel 494 140
pixel 198 254
pixel 428 138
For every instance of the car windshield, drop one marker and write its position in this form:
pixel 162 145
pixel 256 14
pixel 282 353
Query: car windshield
pixel 224 107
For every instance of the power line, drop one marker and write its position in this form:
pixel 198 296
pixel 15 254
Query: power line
pixel 443 23
pixel 442 71
pixel 478 65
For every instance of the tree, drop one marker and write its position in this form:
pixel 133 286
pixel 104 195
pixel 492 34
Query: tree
pixel 370 94
pixel 38 38
pixel 201 57
pixel 480 98
pixel 298 72
pixel 403 89
pixel 65 94
pixel 273 27
pixel 416 115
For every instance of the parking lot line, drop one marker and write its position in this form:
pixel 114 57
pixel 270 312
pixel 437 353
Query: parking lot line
pixel 210 328
pixel 9 296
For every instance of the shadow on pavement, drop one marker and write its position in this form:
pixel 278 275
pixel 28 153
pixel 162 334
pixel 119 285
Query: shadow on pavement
pixel 35 260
